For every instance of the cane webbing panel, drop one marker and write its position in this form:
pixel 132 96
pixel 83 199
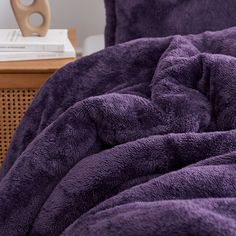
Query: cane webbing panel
pixel 13 104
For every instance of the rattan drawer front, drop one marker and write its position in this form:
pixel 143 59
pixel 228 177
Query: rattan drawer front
pixel 13 104
pixel 19 82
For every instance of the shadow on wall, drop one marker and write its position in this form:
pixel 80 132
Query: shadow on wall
pixel 87 16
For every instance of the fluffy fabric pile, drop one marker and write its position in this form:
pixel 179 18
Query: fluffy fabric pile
pixel 138 139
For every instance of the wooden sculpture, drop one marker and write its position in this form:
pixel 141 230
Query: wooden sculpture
pixel 23 13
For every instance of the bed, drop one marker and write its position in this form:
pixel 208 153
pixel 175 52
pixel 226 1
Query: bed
pixel 136 139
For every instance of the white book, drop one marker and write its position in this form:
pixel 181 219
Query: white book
pixel 69 52
pixel 12 40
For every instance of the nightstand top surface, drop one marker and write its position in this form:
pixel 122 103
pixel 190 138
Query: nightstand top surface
pixel 38 66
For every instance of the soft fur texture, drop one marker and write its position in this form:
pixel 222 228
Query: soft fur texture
pixel 132 19
pixel 138 139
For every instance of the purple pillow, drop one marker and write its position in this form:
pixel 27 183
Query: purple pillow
pixel 132 19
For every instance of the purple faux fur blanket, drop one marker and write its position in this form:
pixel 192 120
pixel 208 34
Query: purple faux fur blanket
pixel 138 139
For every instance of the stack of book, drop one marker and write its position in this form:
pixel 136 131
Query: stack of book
pixel 15 47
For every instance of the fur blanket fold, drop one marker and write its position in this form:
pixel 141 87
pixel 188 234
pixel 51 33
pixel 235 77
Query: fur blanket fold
pixel 138 139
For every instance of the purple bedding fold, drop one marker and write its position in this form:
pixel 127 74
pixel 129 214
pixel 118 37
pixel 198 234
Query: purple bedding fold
pixel 132 19
pixel 138 139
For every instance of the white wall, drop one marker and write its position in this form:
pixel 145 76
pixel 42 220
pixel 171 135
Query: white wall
pixel 87 16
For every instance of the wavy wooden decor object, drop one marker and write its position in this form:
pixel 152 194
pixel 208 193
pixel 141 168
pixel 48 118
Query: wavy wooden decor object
pixel 23 13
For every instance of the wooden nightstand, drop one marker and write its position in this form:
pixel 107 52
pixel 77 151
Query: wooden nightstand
pixel 19 81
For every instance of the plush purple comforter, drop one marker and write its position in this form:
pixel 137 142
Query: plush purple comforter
pixel 138 139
